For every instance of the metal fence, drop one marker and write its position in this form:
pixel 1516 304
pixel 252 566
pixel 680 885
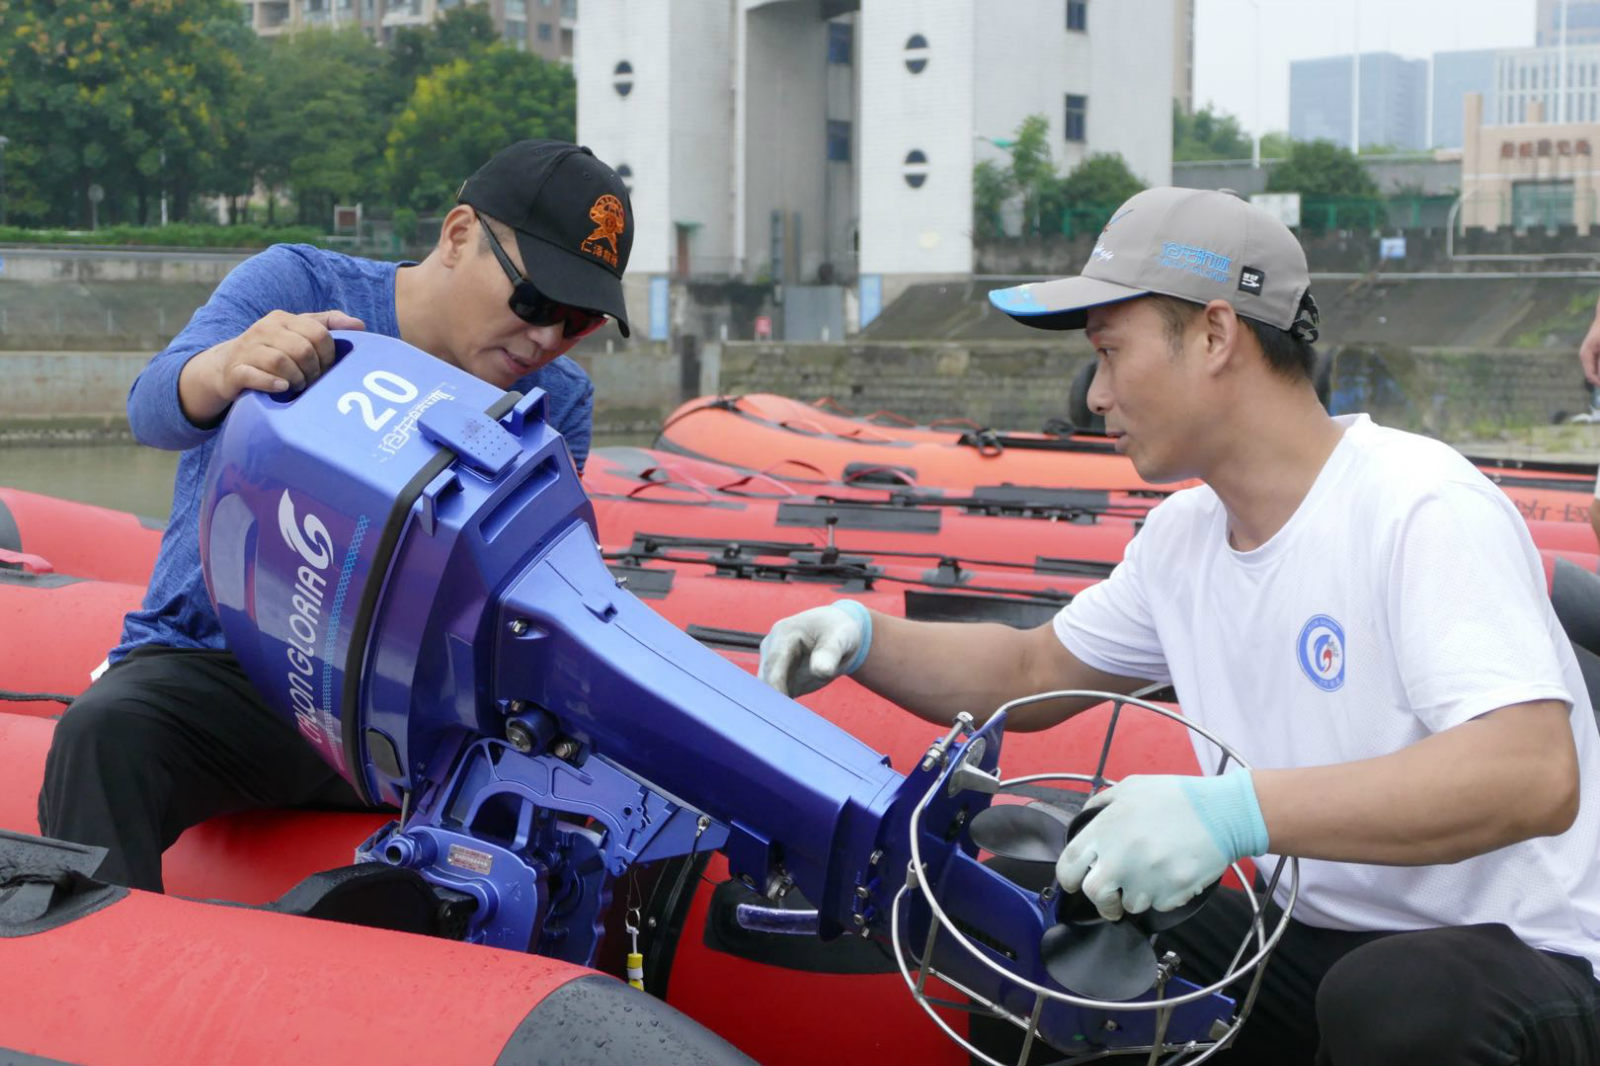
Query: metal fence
pixel 1318 214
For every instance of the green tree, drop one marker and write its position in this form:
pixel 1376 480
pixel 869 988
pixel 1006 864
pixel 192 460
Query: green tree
pixel 462 113
pixel 991 187
pixel 1322 168
pixel 1033 171
pixel 129 95
pixel 314 132
pixel 1086 197
pixel 1276 144
pixel 1207 134
pixel 232 174
pixel 460 33
pixel 1335 189
pixel 1103 179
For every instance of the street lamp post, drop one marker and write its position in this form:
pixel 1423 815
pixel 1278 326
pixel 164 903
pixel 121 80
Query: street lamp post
pixel 1355 77
pixel 3 142
pixel 1255 145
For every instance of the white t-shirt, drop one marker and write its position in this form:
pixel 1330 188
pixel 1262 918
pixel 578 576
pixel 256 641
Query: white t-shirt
pixel 1403 597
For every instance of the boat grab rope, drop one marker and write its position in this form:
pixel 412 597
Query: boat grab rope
pixel 723 403
pixel 6 695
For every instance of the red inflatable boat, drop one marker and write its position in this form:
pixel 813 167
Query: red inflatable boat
pixel 634 494
pixel 1544 491
pixel 739 431
pixel 78 538
pixel 182 981
pixel 779 999
pixel 822 442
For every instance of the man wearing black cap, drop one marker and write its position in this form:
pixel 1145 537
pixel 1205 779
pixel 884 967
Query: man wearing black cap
pixel 527 263
pixel 1359 613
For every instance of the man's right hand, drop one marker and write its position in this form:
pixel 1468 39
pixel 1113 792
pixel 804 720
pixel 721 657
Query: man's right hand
pixel 807 650
pixel 280 352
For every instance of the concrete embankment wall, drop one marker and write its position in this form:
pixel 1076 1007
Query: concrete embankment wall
pixel 77 326
pixel 1012 385
pixel 1442 355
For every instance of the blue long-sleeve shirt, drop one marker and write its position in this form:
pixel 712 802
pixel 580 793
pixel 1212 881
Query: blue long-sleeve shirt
pixel 297 278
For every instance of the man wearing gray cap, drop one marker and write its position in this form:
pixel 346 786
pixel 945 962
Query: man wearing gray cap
pixel 1359 612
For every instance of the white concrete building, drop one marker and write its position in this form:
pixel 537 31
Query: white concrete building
pixel 818 141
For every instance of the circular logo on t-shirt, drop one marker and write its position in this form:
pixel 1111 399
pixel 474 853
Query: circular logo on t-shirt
pixel 1322 652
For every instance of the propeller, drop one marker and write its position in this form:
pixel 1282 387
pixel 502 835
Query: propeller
pixel 1084 952
pixel 1025 840
pixel 1028 833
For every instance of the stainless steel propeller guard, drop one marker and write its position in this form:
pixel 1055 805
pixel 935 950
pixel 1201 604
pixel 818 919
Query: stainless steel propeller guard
pixel 1190 1052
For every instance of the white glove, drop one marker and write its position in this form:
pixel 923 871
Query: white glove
pixel 1161 840
pixel 807 650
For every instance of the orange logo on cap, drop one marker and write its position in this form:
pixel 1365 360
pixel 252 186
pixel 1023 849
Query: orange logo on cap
pixel 609 220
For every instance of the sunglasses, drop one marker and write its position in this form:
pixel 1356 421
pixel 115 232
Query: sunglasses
pixel 533 306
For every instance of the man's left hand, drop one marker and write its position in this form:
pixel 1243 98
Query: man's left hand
pixel 1160 840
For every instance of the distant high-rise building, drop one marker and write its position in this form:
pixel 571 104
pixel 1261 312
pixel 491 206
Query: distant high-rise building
pixel 1565 94
pixel 543 27
pixel 1393 100
pixel 1183 54
pixel 1583 22
pixel 1455 74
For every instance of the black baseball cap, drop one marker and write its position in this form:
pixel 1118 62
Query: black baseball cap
pixel 571 216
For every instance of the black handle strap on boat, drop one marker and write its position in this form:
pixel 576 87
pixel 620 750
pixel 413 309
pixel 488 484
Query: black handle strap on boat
pixel 989 442
pixel 849 576
pixel 726 552
pixel 1071 505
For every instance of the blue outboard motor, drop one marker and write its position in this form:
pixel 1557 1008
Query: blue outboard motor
pixel 404 561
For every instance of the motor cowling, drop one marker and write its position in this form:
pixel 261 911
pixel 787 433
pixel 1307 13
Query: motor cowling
pixel 310 499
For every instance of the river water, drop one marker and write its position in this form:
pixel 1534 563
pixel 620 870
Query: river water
pixel 122 475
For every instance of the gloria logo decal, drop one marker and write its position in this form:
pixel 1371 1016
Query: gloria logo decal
pixel 610 220
pixel 1321 650
pixel 310 540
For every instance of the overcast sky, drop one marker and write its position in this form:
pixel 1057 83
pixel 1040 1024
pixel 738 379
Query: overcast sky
pixel 1226 48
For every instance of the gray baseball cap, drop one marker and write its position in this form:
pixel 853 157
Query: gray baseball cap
pixel 1195 244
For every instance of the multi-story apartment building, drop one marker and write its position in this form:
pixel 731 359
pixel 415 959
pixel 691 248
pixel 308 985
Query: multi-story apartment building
pixel 544 27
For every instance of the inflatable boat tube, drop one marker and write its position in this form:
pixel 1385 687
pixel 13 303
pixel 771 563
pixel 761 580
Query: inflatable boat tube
pixel 92 973
pixel 79 538
pixel 730 430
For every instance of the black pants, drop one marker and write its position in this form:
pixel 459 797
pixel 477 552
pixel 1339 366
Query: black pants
pixel 162 741
pixel 1468 994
